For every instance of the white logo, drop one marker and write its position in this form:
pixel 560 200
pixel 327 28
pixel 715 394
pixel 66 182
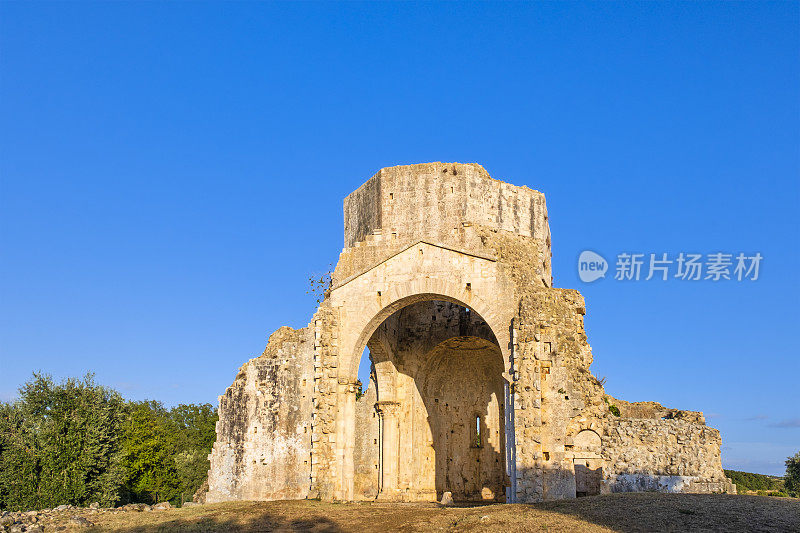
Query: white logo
pixel 591 266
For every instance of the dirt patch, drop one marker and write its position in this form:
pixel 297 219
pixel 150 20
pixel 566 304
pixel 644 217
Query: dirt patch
pixel 616 512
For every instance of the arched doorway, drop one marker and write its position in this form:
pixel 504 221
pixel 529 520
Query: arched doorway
pixel 588 463
pixel 433 417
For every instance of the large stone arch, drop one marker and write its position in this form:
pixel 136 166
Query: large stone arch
pixel 404 301
pixel 436 365
pixel 421 272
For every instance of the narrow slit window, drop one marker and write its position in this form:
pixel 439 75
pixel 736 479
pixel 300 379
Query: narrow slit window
pixel 478 440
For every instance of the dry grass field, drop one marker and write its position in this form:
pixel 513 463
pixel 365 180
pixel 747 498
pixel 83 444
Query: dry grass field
pixel 617 512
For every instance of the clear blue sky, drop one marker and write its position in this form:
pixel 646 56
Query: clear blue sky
pixel 173 173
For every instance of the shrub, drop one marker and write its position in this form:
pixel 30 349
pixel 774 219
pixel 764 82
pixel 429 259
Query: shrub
pixel 77 442
pixel 166 451
pixel 792 478
pixel 60 443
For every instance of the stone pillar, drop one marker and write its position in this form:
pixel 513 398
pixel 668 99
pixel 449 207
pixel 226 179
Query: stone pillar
pixel 389 446
pixel 510 442
pixel 348 466
pixel 347 432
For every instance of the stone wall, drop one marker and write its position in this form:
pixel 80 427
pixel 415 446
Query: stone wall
pixel 662 455
pixel 332 401
pixel 460 388
pixel 263 442
pixel 436 201
pixel 362 212
pixel 655 410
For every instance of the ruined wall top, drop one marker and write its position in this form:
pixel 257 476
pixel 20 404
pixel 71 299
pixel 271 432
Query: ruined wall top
pixel 413 202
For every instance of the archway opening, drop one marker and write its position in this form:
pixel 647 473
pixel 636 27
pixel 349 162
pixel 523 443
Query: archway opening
pixel 588 463
pixel 431 419
pixel 364 371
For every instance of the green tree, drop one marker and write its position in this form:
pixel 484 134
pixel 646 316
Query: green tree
pixel 60 444
pixel 18 469
pixel 76 442
pixel 196 425
pixel 148 454
pixel 791 480
pixel 195 433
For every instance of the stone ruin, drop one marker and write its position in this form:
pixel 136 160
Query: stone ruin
pixel 479 384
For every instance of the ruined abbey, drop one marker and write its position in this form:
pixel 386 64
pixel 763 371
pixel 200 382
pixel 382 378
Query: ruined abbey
pixel 480 380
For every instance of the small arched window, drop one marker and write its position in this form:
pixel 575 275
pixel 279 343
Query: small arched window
pixel 477 436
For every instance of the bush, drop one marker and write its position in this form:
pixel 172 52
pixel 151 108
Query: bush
pixel 166 451
pixel 148 454
pixel 792 478
pixel 60 443
pixel 78 442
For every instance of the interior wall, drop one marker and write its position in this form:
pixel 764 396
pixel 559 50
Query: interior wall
pixel 439 366
pixel 461 388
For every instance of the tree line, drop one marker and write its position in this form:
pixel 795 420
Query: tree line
pixel 77 442
pixel 789 485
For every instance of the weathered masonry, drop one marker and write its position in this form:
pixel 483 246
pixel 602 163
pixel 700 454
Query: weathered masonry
pixel 480 381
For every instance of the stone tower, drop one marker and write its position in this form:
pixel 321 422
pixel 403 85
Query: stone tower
pixel 480 382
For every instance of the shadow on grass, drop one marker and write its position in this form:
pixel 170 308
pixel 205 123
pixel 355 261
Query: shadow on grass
pixel 264 521
pixel 650 511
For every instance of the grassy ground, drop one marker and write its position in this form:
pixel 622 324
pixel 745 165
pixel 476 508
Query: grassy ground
pixel 616 512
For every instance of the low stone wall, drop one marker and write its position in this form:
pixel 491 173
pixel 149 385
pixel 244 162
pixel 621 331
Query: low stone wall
pixel 655 410
pixel 663 455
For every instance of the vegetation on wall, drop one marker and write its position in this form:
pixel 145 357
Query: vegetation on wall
pixel 319 285
pixel 77 442
pixel 612 407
